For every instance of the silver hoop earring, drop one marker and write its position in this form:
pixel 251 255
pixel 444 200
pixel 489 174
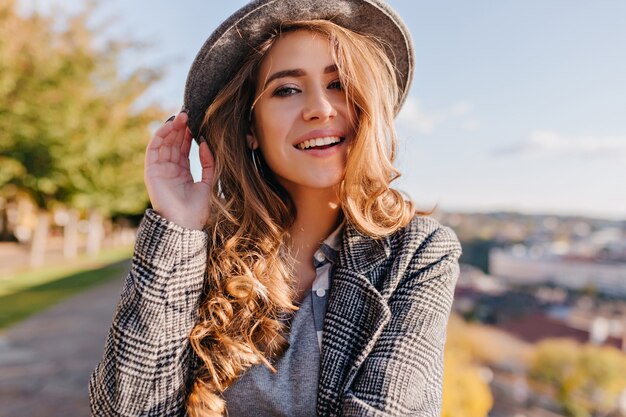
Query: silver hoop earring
pixel 255 162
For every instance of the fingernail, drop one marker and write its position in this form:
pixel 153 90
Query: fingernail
pixel 172 117
pixel 202 139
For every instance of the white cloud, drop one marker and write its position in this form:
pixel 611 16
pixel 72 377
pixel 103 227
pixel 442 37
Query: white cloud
pixel 549 143
pixel 471 125
pixel 413 119
pixel 461 108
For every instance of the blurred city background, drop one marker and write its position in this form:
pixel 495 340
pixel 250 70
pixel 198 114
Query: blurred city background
pixel 514 129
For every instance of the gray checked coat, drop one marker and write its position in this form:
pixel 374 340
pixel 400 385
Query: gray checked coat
pixel 384 329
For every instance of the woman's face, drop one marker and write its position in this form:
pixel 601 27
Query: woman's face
pixel 302 123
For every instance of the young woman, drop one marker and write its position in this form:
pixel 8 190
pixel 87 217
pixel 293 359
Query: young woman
pixel 292 280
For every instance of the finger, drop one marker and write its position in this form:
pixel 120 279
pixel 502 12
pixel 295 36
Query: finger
pixel 152 152
pixel 155 143
pixel 175 149
pixel 180 127
pixel 186 145
pixel 170 137
pixel 207 162
pixel 162 132
pixel 183 160
pixel 180 121
pixel 165 150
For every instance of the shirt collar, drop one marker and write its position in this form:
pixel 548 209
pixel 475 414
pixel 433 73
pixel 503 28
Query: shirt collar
pixel 330 246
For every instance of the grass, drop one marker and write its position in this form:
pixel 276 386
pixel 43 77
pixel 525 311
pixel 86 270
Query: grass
pixel 27 293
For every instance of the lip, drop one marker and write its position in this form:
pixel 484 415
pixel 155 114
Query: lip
pixel 319 133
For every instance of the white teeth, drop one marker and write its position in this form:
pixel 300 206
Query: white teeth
pixel 311 143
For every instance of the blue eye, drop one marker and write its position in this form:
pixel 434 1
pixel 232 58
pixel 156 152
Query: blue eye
pixel 285 91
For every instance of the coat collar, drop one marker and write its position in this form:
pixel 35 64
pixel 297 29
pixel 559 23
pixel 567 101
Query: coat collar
pixel 362 253
pixel 355 316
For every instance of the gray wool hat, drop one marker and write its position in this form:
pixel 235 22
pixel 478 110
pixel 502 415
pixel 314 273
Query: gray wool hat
pixel 224 51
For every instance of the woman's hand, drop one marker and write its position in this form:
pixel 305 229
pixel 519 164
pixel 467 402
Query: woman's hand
pixel 167 176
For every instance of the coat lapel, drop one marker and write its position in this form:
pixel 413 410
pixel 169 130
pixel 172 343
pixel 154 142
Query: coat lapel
pixel 355 316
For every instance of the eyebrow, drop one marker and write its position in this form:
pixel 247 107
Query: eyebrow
pixel 296 73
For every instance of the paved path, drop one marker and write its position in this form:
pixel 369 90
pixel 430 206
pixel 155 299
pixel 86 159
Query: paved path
pixel 45 361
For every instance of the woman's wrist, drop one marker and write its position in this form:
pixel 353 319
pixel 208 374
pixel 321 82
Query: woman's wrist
pixel 185 223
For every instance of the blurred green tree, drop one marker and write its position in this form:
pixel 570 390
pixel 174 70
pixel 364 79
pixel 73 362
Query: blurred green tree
pixel 72 131
pixel 585 380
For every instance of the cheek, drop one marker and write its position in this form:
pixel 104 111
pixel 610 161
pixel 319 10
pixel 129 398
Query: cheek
pixel 351 113
pixel 273 122
pixel 272 131
pixel 272 141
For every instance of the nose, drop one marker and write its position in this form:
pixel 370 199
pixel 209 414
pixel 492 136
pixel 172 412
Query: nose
pixel 318 106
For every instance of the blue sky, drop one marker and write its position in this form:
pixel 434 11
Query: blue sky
pixel 514 105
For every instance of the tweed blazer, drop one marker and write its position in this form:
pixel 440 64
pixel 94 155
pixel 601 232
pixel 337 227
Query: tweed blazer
pixel 384 329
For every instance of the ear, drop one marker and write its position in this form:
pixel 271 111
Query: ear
pixel 253 142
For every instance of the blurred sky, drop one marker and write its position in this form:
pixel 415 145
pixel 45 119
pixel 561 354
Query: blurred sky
pixel 514 105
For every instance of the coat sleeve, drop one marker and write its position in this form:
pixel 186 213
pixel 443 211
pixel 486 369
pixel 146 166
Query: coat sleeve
pixel 403 374
pixel 146 363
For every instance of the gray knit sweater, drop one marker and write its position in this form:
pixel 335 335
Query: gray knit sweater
pixel 384 328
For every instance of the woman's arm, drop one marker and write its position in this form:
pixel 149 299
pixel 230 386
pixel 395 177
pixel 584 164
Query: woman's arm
pixel 146 362
pixel 403 374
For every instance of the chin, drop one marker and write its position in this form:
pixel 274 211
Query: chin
pixel 324 183
pixel 312 181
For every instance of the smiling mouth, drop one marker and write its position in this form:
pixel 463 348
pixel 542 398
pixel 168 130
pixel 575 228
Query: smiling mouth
pixel 320 143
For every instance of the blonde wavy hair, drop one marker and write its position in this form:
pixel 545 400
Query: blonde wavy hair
pixel 243 318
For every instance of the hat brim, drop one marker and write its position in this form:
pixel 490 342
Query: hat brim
pixel 224 51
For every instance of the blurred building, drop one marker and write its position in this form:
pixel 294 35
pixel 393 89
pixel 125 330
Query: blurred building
pixel 523 267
